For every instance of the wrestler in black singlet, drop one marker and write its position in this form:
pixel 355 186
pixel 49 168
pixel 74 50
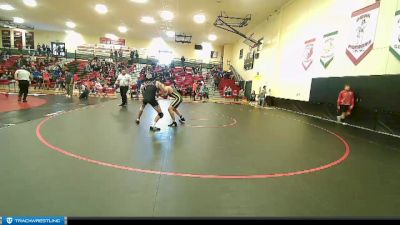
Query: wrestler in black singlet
pixel 149 93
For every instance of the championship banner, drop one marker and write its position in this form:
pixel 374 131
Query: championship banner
pixel 395 45
pixel 108 41
pixel 364 23
pixel 329 44
pixel 308 53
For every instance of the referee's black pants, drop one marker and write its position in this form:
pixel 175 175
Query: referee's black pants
pixel 123 90
pixel 23 89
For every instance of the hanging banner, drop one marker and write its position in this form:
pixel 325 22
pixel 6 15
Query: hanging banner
pixel 308 53
pixel 395 45
pixel 108 41
pixel 362 35
pixel 329 44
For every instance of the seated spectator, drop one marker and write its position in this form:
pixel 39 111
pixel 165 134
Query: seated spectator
pixel 229 91
pixel 98 87
pixel 10 75
pixel 262 95
pixel 225 91
pixel 345 103
pixel 84 92
pixel 240 95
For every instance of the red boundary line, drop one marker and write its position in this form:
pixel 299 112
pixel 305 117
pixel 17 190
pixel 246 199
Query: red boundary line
pixel 203 176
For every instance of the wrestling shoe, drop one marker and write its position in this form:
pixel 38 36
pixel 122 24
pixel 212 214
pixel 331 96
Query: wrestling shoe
pixel 173 124
pixel 155 129
pixel 137 121
pixel 182 120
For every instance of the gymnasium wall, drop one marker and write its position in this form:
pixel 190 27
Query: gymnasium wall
pixel 227 56
pixel 72 40
pixel 285 33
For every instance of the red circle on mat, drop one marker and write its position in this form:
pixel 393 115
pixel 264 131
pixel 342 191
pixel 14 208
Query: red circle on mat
pixel 9 103
pixel 204 176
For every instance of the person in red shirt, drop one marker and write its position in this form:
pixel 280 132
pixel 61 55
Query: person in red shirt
pixel 345 103
pixel 46 79
pixel 194 90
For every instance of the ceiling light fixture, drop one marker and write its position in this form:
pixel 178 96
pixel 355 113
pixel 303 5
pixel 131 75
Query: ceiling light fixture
pixel 100 8
pixel 170 33
pixel 167 15
pixel 199 18
pixel 147 19
pixel 6 7
pixel 70 24
pixel 212 37
pixel 122 29
pixel 30 3
pixel 18 20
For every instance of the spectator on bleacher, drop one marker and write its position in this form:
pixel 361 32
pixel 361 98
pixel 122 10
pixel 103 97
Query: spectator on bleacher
pixel 60 81
pixel 253 96
pixel 216 81
pixel 240 95
pixel 84 92
pixel 10 75
pixel 8 54
pixel 48 50
pixel 111 53
pixel 98 87
pixel 38 50
pixel 120 53
pixel 23 77
pixel 345 103
pixel 183 62
pixel 4 77
pixel 137 54
pixel 229 91
pixel 132 55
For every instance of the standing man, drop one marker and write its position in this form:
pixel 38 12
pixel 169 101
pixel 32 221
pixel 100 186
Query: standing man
pixel 194 90
pixel 69 83
pixel 345 103
pixel 23 77
pixel 183 62
pixel 124 81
